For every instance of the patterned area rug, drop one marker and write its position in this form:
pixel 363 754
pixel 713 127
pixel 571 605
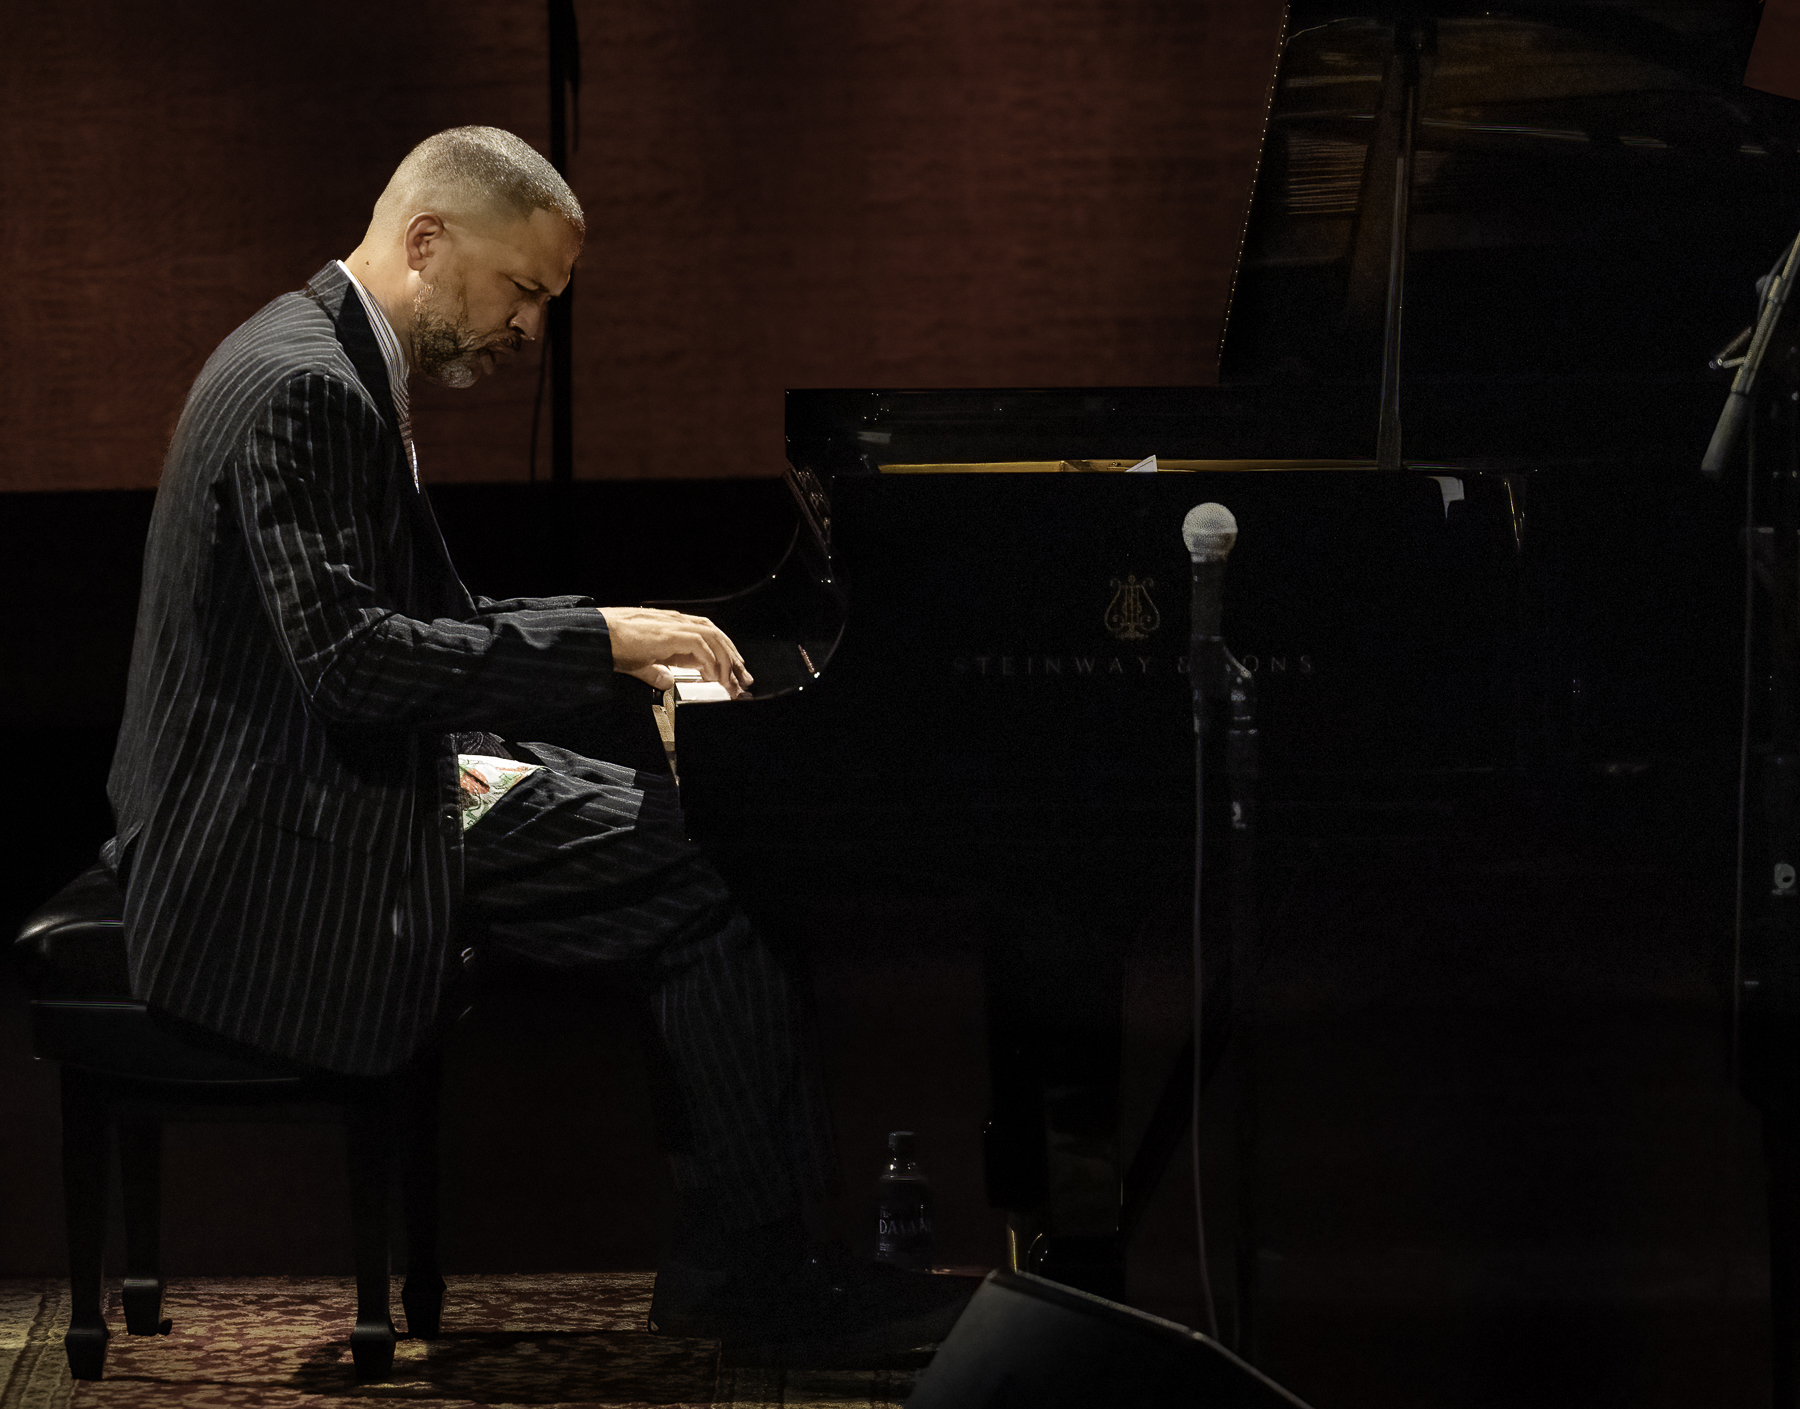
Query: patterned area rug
pixel 283 1342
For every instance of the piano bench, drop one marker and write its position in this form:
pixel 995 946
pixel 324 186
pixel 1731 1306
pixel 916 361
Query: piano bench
pixel 126 1070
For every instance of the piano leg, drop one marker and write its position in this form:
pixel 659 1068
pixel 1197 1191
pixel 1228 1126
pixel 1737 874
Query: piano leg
pixel 1052 1143
pixel 1056 994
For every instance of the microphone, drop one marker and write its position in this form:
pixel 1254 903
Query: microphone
pixel 1736 414
pixel 1732 354
pixel 1209 530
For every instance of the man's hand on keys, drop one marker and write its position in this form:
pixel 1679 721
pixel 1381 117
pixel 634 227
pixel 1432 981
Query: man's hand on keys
pixel 647 640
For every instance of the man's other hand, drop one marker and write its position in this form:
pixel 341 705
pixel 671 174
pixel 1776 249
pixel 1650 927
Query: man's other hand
pixel 647 640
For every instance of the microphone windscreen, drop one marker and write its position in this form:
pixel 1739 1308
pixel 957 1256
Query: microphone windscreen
pixel 1209 530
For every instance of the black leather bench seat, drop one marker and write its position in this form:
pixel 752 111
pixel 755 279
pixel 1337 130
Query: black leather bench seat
pixel 82 1011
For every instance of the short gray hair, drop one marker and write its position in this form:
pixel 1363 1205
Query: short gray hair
pixel 471 170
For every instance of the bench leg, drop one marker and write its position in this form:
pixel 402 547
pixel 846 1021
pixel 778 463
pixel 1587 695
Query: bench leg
pixel 140 1167
pixel 84 1158
pixel 366 1143
pixel 417 1107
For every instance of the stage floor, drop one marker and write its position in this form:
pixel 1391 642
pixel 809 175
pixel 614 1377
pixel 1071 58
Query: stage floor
pixel 527 1339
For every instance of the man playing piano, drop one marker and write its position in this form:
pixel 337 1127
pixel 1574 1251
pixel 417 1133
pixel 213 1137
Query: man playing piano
pixel 316 771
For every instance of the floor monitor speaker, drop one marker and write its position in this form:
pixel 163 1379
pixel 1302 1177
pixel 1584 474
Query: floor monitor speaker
pixel 1028 1343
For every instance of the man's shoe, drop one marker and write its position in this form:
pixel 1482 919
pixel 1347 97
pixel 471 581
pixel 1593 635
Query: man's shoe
pixel 824 1309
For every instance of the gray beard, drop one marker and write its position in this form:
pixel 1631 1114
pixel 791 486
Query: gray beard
pixel 444 349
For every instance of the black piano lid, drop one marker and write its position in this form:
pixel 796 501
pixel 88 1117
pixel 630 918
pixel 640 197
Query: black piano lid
pixel 1499 425
pixel 1593 192
pixel 1593 195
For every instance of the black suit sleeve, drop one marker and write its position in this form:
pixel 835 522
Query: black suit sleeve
pixel 303 481
pixel 486 605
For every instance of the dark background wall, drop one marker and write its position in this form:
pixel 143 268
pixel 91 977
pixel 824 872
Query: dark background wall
pixel 796 193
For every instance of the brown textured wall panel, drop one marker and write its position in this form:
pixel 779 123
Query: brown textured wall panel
pixel 170 168
pixel 1775 59
pixel 793 193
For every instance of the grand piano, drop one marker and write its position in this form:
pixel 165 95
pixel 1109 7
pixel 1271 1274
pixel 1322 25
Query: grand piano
pixel 1463 396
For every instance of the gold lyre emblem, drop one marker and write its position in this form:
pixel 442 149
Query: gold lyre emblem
pixel 1131 615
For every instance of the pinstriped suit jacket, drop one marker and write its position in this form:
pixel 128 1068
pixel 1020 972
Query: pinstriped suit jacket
pixel 284 785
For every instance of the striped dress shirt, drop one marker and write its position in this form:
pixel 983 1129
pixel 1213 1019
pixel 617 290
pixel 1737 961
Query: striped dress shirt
pixel 395 362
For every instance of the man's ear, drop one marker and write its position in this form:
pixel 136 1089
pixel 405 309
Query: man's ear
pixel 423 235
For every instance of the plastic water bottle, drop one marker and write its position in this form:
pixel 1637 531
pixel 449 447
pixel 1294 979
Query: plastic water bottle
pixel 903 1208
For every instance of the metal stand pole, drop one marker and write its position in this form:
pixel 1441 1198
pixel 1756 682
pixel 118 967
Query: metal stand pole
pixel 565 90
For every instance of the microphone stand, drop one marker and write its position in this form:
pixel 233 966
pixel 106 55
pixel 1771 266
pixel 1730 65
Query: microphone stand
pixel 1218 677
pixel 1206 668
pixel 1736 414
pixel 1765 976
pixel 1236 685
pixel 562 522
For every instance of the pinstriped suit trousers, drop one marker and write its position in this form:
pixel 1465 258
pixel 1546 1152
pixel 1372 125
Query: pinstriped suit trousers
pixel 587 865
